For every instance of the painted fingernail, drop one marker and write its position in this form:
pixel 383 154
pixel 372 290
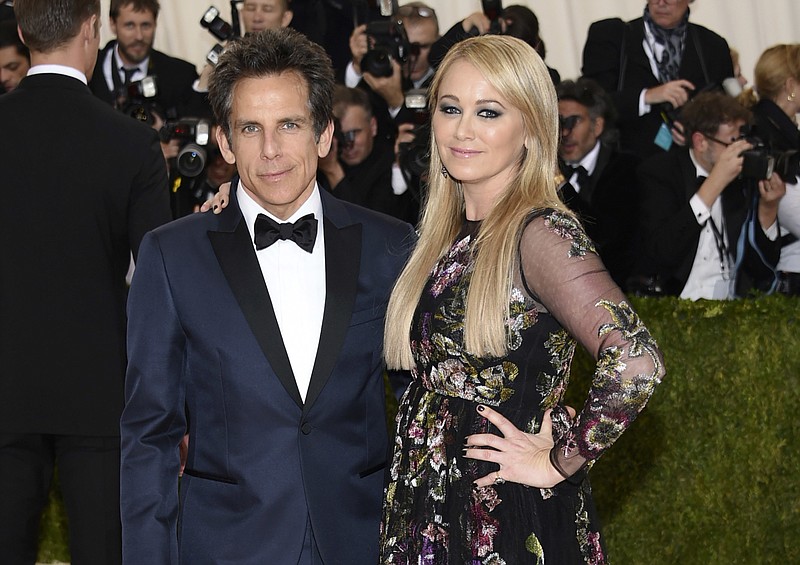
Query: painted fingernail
pixel 481 407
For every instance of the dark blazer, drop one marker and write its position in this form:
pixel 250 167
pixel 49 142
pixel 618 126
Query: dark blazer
pixel 174 80
pixel 81 186
pixel 706 62
pixel 206 355
pixel 608 209
pixel 670 232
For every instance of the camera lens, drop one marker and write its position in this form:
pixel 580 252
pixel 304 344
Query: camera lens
pixel 191 160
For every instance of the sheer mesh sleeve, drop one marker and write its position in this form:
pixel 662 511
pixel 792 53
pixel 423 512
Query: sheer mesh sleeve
pixel 562 271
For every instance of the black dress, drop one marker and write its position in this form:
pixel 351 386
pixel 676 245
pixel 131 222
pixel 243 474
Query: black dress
pixel 432 512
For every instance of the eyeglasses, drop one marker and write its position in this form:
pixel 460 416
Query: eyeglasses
pixel 569 122
pixel 415 11
pixel 667 2
pixel 734 140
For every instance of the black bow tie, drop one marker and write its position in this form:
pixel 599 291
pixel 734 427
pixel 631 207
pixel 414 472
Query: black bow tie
pixel 303 232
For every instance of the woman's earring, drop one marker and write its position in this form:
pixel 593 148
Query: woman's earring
pixel 445 174
pixel 790 97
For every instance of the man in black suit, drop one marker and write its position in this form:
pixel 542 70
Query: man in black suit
pixel 601 185
pixel 81 184
pixel 358 168
pixel 707 232
pixel 651 66
pixel 131 57
pixel 259 332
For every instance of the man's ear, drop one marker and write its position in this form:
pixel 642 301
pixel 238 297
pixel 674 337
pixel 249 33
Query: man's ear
pixel 599 125
pixel 225 147
pixel 699 141
pixel 324 142
pixel 287 18
pixel 373 126
pixel 112 25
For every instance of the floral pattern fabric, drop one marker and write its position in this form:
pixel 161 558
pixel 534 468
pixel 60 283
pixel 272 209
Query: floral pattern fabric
pixel 432 512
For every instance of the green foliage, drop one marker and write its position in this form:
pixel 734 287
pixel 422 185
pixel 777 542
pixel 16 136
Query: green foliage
pixel 709 472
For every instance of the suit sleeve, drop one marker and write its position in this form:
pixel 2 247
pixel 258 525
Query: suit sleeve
pixel 149 197
pixel 602 55
pixel 667 224
pixel 153 420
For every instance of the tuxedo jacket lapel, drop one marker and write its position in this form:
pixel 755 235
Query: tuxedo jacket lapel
pixel 342 264
pixel 237 258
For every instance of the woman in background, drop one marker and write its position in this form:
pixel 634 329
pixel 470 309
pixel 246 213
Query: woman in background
pixel 775 109
pixel 489 466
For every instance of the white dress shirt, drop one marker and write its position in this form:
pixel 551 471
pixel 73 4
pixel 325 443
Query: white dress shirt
pixel 57 70
pixel 296 283
pixel 141 68
pixel 589 162
pixel 789 217
pixel 710 277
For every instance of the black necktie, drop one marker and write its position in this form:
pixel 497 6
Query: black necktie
pixel 129 74
pixel 303 232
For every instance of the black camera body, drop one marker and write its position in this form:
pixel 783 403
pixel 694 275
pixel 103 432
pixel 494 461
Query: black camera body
pixel 387 40
pixel 137 100
pixel 761 161
pixel 414 156
pixel 218 27
pixel 344 139
pixel 194 136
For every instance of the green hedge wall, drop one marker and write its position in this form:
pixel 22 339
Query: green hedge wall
pixel 709 472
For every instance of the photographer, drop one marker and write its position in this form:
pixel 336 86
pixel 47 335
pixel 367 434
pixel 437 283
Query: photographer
pixel 125 61
pixel 708 225
pixel 358 167
pixel 15 59
pixel 516 21
pixel 387 93
pixel 777 81
pixel 651 66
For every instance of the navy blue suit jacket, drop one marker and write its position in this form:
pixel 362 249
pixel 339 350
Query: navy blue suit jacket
pixel 206 355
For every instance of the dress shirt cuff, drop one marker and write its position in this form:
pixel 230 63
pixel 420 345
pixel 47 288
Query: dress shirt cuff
pixel 701 212
pixel 644 107
pixel 399 184
pixel 772 232
pixel 351 77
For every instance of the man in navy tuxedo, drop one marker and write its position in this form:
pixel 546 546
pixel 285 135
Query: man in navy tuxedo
pixel 259 331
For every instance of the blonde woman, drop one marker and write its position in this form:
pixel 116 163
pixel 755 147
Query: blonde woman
pixel 488 464
pixel 775 109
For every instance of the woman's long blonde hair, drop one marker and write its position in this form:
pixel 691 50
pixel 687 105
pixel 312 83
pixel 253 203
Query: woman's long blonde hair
pixel 514 69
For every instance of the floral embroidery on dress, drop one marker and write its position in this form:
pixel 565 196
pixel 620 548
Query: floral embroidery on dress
pixel 568 227
pixel 433 513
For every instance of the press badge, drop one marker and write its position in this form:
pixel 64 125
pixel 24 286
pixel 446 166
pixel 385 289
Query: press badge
pixel 663 137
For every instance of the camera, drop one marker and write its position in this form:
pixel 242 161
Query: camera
pixel 492 10
pixel 136 99
pixel 414 156
pixel 194 136
pixel 218 27
pixel 344 139
pixel 387 40
pixel 761 161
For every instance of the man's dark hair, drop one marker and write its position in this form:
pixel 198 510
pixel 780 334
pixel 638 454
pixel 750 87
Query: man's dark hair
pixel 138 6
pixel 589 93
pixel 269 53
pixel 49 24
pixel 523 24
pixel 345 97
pixel 10 38
pixel 708 110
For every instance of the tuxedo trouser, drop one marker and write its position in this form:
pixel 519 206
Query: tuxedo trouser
pixel 88 472
pixel 310 554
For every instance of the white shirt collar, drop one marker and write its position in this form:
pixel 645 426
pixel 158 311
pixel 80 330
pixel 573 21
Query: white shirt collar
pixel 701 172
pixel 589 161
pixel 251 209
pixel 58 70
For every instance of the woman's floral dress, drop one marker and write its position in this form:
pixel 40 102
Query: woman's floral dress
pixel 432 513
